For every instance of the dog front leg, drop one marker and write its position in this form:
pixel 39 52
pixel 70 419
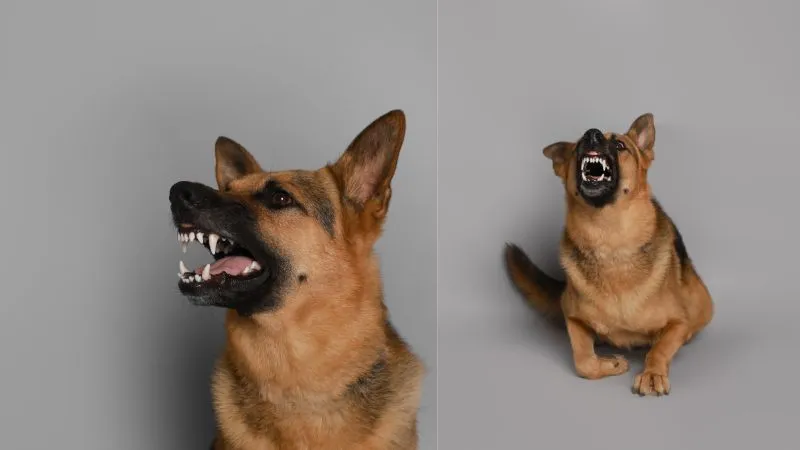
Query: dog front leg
pixel 587 363
pixel 654 380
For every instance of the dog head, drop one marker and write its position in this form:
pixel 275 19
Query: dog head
pixel 600 168
pixel 275 234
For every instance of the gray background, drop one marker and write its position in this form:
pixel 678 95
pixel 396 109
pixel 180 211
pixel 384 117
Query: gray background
pixel 103 105
pixel 721 80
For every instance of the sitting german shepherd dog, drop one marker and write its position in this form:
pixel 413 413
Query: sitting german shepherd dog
pixel 311 359
pixel 629 279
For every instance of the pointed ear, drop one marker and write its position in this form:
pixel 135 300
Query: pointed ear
pixel 643 134
pixel 559 153
pixel 233 161
pixel 367 167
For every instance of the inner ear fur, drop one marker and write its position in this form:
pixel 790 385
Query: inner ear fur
pixel 233 161
pixel 367 167
pixel 559 154
pixel 643 133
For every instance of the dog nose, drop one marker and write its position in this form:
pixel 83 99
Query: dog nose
pixel 593 137
pixel 186 194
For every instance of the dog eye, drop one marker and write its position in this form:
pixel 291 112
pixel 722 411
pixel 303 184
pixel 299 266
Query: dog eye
pixel 619 145
pixel 280 199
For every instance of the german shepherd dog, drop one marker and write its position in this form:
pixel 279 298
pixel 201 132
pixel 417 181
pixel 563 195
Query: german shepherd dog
pixel 311 359
pixel 629 279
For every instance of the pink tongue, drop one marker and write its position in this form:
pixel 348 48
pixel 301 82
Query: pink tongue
pixel 232 265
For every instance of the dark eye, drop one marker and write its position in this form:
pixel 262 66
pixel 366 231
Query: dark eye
pixel 619 145
pixel 280 199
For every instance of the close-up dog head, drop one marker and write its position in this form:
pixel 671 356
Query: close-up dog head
pixel 279 236
pixel 601 168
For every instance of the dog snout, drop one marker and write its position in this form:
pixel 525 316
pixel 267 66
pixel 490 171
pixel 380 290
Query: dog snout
pixel 185 195
pixel 593 138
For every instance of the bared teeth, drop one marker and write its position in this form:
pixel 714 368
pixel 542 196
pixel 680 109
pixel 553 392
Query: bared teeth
pixel 254 266
pixel 216 244
pixel 212 243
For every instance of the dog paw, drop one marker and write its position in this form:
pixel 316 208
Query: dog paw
pixel 601 367
pixel 651 383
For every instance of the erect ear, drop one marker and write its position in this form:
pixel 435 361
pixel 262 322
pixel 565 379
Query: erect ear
pixel 233 161
pixel 643 134
pixel 559 153
pixel 367 167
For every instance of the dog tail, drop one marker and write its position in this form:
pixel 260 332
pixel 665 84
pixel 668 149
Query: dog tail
pixel 542 291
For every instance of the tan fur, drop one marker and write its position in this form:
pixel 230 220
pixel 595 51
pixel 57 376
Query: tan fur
pixel 288 379
pixel 626 282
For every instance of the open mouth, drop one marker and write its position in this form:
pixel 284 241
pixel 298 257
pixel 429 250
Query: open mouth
pixel 596 168
pixel 231 260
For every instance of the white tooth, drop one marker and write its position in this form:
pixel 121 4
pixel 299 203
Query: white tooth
pixel 197 278
pixel 183 267
pixel 199 237
pixel 191 236
pixel 247 270
pixel 255 266
pixel 212 243
pixel 207 272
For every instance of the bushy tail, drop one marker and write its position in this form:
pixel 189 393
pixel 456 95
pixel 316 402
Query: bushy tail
pixel 542 291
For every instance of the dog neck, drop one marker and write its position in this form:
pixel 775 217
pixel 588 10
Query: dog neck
pixel 615 229
pixel 312 348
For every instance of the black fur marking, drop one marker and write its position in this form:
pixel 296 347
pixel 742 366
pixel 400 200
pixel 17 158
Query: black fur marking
pixel 302 278
pixel 680 246
pixel 371 392
pixel 586 262
pixel 321 204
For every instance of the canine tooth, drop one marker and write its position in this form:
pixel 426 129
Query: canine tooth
pixel 212 243
pixel 191 236
pixel 182 267
pixel 199 236
pixel 207 272
pixel 197 278
pixel 255 266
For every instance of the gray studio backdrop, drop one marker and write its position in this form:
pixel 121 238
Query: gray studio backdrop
pixel 103 105
pixel 721 80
